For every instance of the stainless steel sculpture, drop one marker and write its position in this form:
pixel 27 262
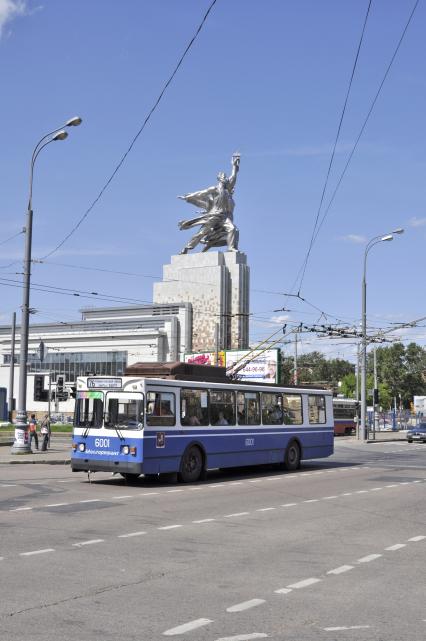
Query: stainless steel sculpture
pixel 216 218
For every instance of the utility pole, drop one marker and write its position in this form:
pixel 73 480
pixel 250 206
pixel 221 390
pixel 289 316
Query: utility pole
pixel 374 391
pixel 295 380
pixel 12 366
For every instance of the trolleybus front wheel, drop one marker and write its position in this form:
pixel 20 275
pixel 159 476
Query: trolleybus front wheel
pixel 292 457
pixel 191 466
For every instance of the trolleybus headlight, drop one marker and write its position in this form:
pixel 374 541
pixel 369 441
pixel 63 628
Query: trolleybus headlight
pixel 125 449
pixel 82 447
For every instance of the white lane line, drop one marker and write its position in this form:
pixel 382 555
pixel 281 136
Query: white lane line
pixel 325 498
pixel 283 591
pixel 266 509
pixel 346 627
pixel 169 527
pixel 204 521
pixel 187 627
pixel 196 489
pixel 148 493
pixel 122 496
pixel 311 501
pixel 417 538
pixel 173 491
pixel 90 501
pixel 376 489
pixel 393 485
pixel 245 605
pixel 288 504
pixel 20 509
pixel 368 558
pixel 127 536
pixel 236 483
pixel 245 637
pixel 397 546
pixel 56 504
pixel 304 584
pixel 256 481
pixel 37 552
pixel 8 485
pixel 91 542
pixel 229 516
pixel 341 569
pixel 347 494
pixel 361 491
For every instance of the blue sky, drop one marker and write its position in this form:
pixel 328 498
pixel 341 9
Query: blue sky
pixel 267 79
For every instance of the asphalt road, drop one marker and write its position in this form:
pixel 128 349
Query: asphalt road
pixel 334 551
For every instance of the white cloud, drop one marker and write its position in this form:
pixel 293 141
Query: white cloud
pixel 354 238
pixel 10 9
pixel 417 222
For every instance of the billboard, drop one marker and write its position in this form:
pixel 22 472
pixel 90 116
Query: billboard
pixel 263 366
pixel 206 358
pixel 420 405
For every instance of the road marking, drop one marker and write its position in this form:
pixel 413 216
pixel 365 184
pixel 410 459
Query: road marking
pixel 368 558
pixel 56 504
pixel 20 509
pixel 37 552
pixel 341 569
pixel 245 605
pixel 204 521
pixel 304 584
pixel 361 491
pixel 397 546
pixel 283 591
pixel 417 538
pixel 347 494
pixel 123 496
pixel 90 501
pixel 288 504
pixel 265 509
pixel 169 527
pixel 256 481
pixel 196 489
pixel 173 491
pixel 187 627
pixel 346 627
pixel 236 483
pixel 228 516
pixel 8 485
pixel 91 542
pixel 311 501
pixel 148 493
pixel 393 485
pixel 245 637
pixel 126 536
pixel 325 498
pixel 376 489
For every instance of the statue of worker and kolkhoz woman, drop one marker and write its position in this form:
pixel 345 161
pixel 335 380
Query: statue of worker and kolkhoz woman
pixel 215 219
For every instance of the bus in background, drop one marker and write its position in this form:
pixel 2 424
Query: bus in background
pixel 185 419
pixel 345 416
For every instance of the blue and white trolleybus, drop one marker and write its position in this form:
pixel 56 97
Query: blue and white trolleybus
pixel 186 419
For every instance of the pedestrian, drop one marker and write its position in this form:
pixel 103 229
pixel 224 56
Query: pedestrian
pixel 45 431
pixel 33 430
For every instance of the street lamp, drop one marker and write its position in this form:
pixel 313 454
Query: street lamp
pixel 21 444
pixel 374 241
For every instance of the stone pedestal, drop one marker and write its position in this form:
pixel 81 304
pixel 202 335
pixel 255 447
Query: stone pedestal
pixel 217 286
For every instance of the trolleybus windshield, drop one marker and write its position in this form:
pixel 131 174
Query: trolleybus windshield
pixel 124 410
pixel 89 407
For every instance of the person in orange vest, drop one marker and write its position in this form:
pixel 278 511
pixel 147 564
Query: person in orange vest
pixel 33 430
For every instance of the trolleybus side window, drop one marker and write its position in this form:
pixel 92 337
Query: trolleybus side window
pixel 194 406
pixel 125 412
pixel 160 409
pixel 248 408
pixel 272 409
pixel 89 409
pixel 316 405
pixel 222 407
pixel 292 407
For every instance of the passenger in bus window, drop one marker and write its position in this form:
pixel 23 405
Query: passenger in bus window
pixel 276 415
pixel 221 419
pixel 194 420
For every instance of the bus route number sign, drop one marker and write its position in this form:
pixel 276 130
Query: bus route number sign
pixel 104 383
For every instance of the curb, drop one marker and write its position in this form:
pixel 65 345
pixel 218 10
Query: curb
pixel 38 462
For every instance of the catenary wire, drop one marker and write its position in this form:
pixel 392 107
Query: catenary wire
pixel 135 138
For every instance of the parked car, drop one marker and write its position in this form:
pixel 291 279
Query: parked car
pixel 417 433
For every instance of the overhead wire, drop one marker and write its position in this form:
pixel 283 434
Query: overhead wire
pixel 135 138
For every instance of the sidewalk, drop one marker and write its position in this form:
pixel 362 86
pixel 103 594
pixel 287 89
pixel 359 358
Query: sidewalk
pixel 58 454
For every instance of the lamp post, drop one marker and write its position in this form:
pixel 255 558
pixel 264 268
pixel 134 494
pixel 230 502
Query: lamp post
pixel 374 241
pixel 21 444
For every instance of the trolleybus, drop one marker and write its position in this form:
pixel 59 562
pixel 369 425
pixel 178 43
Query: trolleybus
pixel 186 419
pixel 345 415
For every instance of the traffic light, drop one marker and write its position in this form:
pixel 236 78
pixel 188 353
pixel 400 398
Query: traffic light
pixel 60 385
pixel 376 396
pixel 38 387
pixel 73 392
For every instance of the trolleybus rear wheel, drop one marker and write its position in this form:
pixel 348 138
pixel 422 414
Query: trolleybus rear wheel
pixel 292 457
pixel 131 479
pixel 191 466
